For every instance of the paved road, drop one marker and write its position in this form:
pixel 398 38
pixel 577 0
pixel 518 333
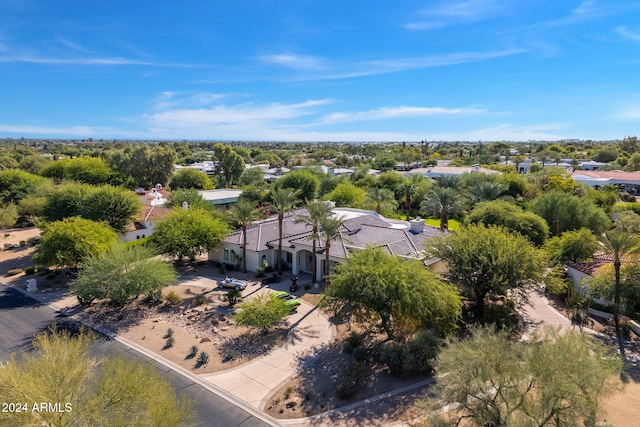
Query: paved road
pixel 21 317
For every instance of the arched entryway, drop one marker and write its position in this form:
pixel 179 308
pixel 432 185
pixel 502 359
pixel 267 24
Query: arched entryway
pixel 304 262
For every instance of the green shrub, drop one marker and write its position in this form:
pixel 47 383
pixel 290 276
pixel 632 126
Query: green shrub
pixel 259 272
pixel 360 354
pixel 154 297
pixel 169 343
pixel 223 268
pixel 172 298
pixel 355 376
pixel 203 358
pixel 413 358
pixel 601 307
pixel 29 270
pixel 169 333
pixel 193 352
pixel 200 299
pixel 355 340
pixel 14 271
pixel 621 207
pixel 233 296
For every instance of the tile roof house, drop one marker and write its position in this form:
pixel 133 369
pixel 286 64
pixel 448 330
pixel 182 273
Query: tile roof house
pixel 361 229
pixel 630 181
pixel 153 209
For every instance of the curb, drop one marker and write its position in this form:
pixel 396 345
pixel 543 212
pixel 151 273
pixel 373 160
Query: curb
pixel 210 387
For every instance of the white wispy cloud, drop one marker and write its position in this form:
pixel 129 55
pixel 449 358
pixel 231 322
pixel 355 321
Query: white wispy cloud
pixel 172 99
pixel 459 12
pixel 344 69
pixel 628 33
pixel 235 114
pixel 73 45
pixel 295 61
pixel 403 111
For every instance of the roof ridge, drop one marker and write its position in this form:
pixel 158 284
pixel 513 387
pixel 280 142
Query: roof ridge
pixel 149 213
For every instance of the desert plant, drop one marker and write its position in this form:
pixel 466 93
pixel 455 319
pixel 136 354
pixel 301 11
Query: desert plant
pixel 203 358
pixel 259 272
pixel 413 358
pixel 172 298
pixel 193 351
pixel 287 392
pixel 232 297
pixel 29 270
pixel 169 343
pixel 200 299
pixel 14 271
pixel 169 333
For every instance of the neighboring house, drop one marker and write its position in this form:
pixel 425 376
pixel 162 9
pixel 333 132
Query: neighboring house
pixel 207 167
pixel 579 271
pixel 441 171
pixel 222 198
pixel 629 181
pixel 362 229
pixel 152 210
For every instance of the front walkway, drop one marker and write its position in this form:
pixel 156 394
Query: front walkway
pixel 256 381
pixel 537 314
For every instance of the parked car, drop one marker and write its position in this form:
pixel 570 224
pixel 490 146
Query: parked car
pixel 289 299
pixel 230 282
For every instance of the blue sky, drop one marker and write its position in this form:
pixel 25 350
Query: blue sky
pixel 320 70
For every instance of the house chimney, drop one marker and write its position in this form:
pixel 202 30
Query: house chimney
pixel 417 225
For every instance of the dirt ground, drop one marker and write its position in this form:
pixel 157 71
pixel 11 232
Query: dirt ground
pixel 313 390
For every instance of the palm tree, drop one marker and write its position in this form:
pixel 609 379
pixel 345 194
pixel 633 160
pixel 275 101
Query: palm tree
pixel 619 244
pixel 243 213
pixel 283 199
pixel 442 202
pixel 381 198
pixel 407 188
pixel 316 212
pixel 331 228
pixel 485 191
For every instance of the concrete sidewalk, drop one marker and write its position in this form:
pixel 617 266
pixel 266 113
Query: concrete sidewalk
pixel 256 381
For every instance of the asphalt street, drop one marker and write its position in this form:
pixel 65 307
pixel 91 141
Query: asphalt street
pixel 21 317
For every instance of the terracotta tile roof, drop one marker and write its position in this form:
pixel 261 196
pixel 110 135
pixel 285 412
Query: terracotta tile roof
pixel 151 213
pixel 615 174
pixel 589 268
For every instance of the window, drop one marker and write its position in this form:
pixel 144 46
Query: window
pixel 226 254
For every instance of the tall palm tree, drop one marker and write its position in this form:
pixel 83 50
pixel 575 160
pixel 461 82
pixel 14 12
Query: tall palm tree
pixel 243 213
pixel 331 228
pixel 407 188
pixel 316 212
pixel 619 244
pixel 442 202
pixel 381 198
pixel 282 199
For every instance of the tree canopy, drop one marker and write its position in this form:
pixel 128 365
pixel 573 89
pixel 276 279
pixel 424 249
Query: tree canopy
pixel 230 164
pixel 512 217
pixel 347 194
pixel 113 205
pixel 306 182
pixel 262 311
pixel 17 184
pixel 559 380
pixel 393 294
pixel 487 261
pixel 191 178
pixel 573 246
pixel 564 212
pixel 88 170
pixel 122 273
pixel 100 392
pixel 71 240
pixel 188 233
